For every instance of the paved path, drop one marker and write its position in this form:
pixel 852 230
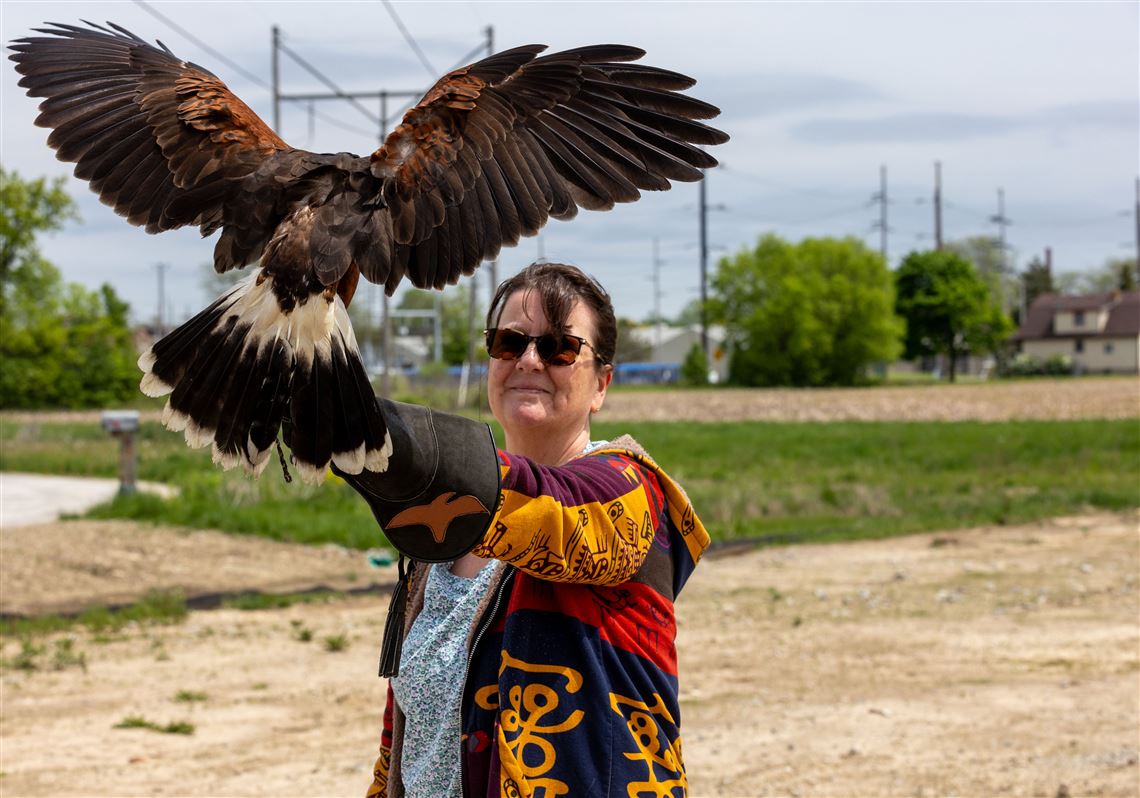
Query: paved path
pixel 40 498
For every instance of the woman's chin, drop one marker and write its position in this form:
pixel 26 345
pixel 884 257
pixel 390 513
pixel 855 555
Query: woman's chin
pixel 528 414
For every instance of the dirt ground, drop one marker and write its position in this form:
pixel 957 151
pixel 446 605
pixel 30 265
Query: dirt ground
pixel 1092 397
pixel 993 661
pixel 996 661
pixel 1087 397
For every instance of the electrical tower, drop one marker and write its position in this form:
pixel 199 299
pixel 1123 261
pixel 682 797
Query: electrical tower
pixel 1002 221
pixel 880 197
pixel 938 205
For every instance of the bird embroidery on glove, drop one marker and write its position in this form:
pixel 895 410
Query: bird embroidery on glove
pixel 438 515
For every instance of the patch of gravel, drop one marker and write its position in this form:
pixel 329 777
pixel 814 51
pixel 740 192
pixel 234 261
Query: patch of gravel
pixel 69 565
pixel 1045 399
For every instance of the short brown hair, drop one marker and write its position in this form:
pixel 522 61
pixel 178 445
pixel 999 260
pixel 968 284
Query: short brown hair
pixel 560 285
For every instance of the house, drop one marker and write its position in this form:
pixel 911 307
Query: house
pixel 1100 332
pixel 668 346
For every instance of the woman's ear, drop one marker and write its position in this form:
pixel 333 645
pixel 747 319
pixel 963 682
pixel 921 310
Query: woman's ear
pixel 605 377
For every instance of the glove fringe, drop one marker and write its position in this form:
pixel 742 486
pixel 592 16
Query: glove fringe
pixel 393 644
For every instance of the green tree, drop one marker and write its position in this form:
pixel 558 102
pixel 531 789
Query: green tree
pixel 455 311
pixel 690 314
pixel 695 367
pixel 993 265
pixel 947 307
pixel 1127 273
pixel 631 348
pixel 1117 274
pixel 1037 279
pixel 60 344
pixel 819 312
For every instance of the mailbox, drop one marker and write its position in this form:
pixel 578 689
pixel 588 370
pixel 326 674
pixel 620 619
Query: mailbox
pixel 119 421
pixel 123 424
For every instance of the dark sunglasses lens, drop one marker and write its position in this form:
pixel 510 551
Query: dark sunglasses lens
pixel 511 344
pixel 506 344
pixel 558 351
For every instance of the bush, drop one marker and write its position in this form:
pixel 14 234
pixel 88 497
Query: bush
pixel 1024 365
pixel 695 368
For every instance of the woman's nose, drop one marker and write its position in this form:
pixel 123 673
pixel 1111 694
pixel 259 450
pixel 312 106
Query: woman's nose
pixel 529 358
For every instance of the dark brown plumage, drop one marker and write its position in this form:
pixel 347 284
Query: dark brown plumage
pixel 489 154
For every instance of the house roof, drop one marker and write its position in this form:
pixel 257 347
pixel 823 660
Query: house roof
pixel 1123 314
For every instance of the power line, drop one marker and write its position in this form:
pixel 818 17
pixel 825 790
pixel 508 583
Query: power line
pixel 408 38
pixel 174 26
pixel 823 217
pixel 214 53
pixel 337 90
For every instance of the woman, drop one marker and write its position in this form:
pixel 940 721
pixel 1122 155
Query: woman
pixel 543 661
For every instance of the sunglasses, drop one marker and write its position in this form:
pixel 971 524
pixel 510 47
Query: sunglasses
pixel 553 350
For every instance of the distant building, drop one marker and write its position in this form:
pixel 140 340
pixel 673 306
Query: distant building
pixel 669 345
pixel 1100 332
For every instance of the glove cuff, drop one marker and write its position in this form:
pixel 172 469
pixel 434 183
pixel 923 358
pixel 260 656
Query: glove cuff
pixel 439 494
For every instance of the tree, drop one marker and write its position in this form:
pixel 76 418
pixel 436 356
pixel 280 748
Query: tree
pixel 215 283
pixel 947 307
pixel 1126 273
pixel 631 347
pixel 1037 279
pixel 690 314
pixel 814 313
pixel 1117 274
pixel 992 265
pixel 695 367
pixel 454 307
pixel 61 345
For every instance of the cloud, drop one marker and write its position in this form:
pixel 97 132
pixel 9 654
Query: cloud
pixel 918 127
pixel 768 94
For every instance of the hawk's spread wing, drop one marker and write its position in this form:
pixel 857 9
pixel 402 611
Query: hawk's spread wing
pixel 160 140
pixel 488 155
pixel 498 147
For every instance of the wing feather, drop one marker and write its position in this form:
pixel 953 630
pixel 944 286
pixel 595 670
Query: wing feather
pixel 496 148
pixel 123 111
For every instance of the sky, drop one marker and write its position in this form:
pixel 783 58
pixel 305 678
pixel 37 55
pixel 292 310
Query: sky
pixel 1038 100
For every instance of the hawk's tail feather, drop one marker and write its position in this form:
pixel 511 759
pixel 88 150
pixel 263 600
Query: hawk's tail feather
pixel 234 371
pixel 225 370
pixel 333 409
pixel 165 363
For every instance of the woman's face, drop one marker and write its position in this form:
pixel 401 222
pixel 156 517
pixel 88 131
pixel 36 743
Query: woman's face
pixel 528 396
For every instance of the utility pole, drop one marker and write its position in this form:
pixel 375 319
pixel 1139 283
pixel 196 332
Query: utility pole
pixel 472 301
pixel 938 205
pixel 704 265
pixel 385 376
pixel 1138 228
pixel 276 67
pixel 656 293
pixel 1002 221
pixel 160 317
pixel 880 197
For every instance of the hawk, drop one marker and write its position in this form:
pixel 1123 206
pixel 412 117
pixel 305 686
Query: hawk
pixel 491 153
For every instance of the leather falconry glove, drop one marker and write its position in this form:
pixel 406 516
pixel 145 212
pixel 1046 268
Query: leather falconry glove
pixel 435 500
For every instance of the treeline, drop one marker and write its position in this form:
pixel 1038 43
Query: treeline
pixel 61 345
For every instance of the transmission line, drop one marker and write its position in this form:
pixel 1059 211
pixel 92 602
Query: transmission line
pixel 337 90
pixel 408 38
pixel 182 31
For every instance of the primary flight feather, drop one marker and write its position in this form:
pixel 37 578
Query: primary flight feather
pixel 489 154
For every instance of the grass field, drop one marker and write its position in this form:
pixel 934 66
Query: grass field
pixel 774 481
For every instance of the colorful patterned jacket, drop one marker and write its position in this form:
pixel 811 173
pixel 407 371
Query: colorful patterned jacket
pixel 572 678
